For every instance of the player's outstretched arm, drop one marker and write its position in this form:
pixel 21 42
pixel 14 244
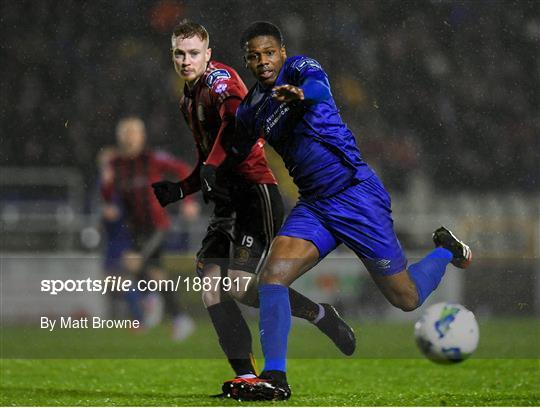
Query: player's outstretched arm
pixel 307 82
pixel 312 90
pixel 316 88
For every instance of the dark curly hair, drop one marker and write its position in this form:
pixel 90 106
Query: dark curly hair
pixel 259 28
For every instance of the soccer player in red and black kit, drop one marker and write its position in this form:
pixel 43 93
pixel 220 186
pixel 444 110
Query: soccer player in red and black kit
pixel 248 206
pixel 125 188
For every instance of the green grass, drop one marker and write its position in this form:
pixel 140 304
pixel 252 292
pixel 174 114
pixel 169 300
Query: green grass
pixel 315 382
pixel 401 377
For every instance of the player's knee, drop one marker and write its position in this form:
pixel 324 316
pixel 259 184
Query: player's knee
pixel 243 287
pixel 275 273
pixel 211 297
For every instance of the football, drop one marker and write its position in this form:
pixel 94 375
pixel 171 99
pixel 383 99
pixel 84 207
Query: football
pixel 447 333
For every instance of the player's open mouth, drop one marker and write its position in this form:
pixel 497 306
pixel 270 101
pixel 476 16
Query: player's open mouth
pixel 266 74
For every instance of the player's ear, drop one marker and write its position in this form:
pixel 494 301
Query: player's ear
pixel 208 54
pixel 283 52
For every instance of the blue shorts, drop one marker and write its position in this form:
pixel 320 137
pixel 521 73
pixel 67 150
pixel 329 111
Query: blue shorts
pixel 359 217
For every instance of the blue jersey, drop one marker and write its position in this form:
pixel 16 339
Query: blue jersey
pixel 318 149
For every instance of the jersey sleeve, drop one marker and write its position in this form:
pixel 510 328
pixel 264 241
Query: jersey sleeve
pixel 227 92
pixel 107 191
pixel 107 183
pixel 223 85
pixel 165 163
pixel 308 74
pixel 192 183
pixel 302 67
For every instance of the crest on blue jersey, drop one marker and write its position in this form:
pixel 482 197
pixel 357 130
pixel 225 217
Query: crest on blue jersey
pixel 306 62
pixel 216 76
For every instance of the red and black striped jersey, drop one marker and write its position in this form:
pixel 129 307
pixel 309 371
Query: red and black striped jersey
pixel 209 109
pixel 131 185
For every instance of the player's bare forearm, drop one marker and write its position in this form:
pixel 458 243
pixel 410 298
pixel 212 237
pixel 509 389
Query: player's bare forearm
pixel 287 93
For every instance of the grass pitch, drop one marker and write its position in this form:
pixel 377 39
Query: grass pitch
pixel 404 378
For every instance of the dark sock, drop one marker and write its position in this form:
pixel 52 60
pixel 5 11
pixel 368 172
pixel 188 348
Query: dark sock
pixel 301 306
pixel 234 336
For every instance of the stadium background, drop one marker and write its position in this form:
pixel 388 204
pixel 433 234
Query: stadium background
pixel 442 96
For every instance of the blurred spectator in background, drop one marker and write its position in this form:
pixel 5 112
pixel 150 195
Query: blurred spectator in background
pixel 115 230
pixel 125 186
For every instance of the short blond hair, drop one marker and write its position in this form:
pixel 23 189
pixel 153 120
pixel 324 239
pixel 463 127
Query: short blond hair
pixel 187 29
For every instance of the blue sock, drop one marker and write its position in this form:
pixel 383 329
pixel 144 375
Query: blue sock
pixel 274 325
pixel 133 299
pixel 427 273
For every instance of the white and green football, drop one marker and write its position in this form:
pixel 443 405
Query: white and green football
pixel 447 333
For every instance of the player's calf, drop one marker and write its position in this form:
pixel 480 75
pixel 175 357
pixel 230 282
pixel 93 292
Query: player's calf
pixel 213 296
pixel 243 288
pixel 406 300
pixel 399 289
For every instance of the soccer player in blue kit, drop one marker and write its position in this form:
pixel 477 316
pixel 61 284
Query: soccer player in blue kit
pixel 341 200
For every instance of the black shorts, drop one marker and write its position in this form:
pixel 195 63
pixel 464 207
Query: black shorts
pixel 239 235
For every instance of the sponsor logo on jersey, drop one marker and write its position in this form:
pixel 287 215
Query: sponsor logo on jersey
pixel 208 188
pixel 241 256
pixel 216 76
pixel 274 118
pixel 220 88
pixel 383 263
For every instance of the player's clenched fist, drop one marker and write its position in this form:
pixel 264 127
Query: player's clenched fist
pixel 167 192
